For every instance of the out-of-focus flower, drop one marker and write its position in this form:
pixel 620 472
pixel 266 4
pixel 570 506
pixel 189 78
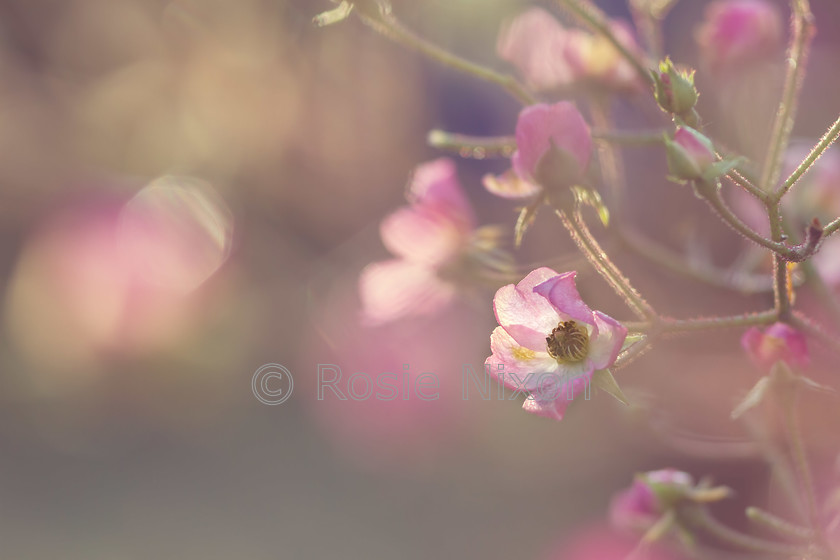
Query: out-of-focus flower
pixel 534 42
pixel 737 32
pixel 778 342
pixel 437 245
pixel 398 432
pixel 554 146
pixel 549 342
pixel 550 56
pixel 639 507
pixel 108 278
pixel 690 154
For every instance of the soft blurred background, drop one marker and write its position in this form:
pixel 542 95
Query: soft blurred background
pixel 189 190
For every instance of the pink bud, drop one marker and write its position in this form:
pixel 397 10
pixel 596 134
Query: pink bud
pixel 543 127
pixel 737 32
pixel 779 342
pixel 689 154
pixel 637 508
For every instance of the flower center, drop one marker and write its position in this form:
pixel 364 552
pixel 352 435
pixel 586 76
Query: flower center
pixel 568 342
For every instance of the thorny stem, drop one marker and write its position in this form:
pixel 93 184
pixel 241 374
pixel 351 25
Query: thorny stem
pixel 802 34
pixel 386 24
pixel 827 140
pixel 588 245
pixel 712 195
pixel 805 324
pixel 594 18
pixel 831 227
pixel 781 295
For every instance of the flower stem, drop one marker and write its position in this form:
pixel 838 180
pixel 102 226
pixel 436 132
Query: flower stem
pixel 711 194
pixel 588 245
pixel 800 456
pixel 827 140
pixel 744 320
pixel 702 272
pixel 778 525
pixel 594 18
pixel 802 34
pixel 475 147
pixel 386 24
pixel 781 294
pixel 700 518
pixel 805 324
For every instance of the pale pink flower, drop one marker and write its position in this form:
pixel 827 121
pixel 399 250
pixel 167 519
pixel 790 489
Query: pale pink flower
pixel 426 236
pixel 778 342
pixel 535 42
pixel 549 342
pixel 549 56
pixel 554 146
pixel 639 507
pixel 737 32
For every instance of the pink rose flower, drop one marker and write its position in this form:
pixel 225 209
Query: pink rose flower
pixel 554 146
pixel 550 56
pixel 549 342
pixel 778 342
pixel 738 32
pixel 425 236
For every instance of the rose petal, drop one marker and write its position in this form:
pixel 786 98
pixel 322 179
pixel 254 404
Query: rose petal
pixel 539 126
pixel 397 288
pixel 605 345
pixel 527 316
pixel 421 236
pixel 533 42
pixel 509 357
pixel 563 295
pixel 509 185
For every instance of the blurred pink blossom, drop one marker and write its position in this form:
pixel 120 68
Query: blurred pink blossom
pixel 426 236
pixel 737 32
pixel 778 342
pixel 549 56
pixel 547 331
pixel 637 508
pixel 554 146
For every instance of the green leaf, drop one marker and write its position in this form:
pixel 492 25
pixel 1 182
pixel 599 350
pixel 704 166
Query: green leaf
pixel 591 198
pixel 722 167
pixel 753 398
pixel 525 219
pixel 336 15
pixel 604 380
pixel 631 339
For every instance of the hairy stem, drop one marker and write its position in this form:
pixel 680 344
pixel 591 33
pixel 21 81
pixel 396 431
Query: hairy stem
pixel 827 140
pixel 589 246
pixel 389 26
pixel 802 34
